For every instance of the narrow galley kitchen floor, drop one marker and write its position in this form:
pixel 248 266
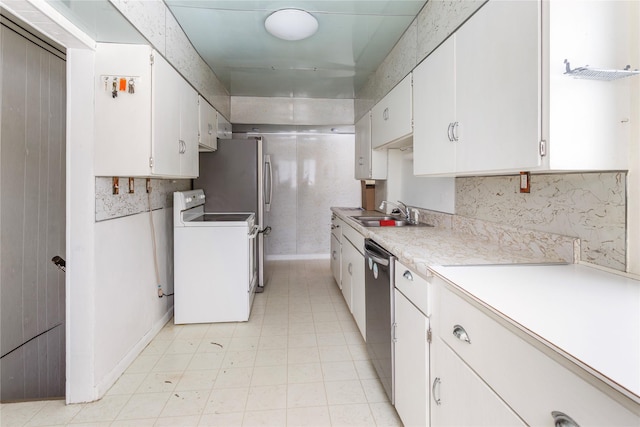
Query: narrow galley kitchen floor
pixel 299 361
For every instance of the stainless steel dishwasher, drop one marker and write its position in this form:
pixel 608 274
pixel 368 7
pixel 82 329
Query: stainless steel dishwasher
pixel 379 276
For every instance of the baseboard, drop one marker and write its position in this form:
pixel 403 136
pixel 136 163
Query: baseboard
pixel 293 257
pixel 110 379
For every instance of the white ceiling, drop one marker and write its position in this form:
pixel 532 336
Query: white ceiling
pixel 353 38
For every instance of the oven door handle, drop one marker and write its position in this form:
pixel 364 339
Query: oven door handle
pixel 381 261
pixel 254 232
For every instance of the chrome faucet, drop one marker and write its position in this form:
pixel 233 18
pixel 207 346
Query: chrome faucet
pixel 403 208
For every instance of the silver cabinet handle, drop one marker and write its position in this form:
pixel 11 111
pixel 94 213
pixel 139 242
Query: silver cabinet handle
pixel 436 383
pixel 407 275
pixel 449 132
pixel 385 114
pixel 334 255
pixel 350 268
pixel 360 161
pixel 394 337
pixel 455 131
pixel 563 420
pixel 461 334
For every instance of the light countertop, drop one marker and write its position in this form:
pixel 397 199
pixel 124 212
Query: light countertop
pixel 589 315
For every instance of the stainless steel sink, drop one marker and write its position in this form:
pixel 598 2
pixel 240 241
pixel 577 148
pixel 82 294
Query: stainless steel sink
pixel 374 221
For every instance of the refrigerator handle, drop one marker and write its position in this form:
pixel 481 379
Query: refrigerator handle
pixel 268 183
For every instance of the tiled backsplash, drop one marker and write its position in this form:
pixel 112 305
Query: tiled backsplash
pixel 590 206
pixel 111 206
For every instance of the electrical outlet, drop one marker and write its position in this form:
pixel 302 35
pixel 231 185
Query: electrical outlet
pixel 525 182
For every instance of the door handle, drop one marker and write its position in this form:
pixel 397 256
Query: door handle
pixel 407 275
pixel 436 384
pixel 563 420
pixel 268 183
pixel 461 334
pixel 60 263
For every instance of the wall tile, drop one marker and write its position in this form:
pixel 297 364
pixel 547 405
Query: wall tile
pixel 256 110
pixel 589 206
pixel 284 212
pixel 325 179
pixel 296 111
pixel 439 19
pixel 111 206
pixel 307 111
pixel 158 25
pixel 311 173
pixel 148 17
pixel 400 61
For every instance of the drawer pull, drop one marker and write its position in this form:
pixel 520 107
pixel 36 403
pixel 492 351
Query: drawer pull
pixel 563 420
pixel 436 383
pixel 407 275
pixel 461 334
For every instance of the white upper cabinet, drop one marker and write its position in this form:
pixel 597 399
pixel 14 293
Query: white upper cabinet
pixel 392 117
pixel 207 126
pixel 494 97
pixel 369 164
pixel 147 124
pixel 224 127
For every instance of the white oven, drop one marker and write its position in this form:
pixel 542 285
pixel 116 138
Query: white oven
pixel 215 271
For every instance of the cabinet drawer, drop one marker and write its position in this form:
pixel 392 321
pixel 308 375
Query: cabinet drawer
pixel 354 237
pixel 532 382
pixel 414 287
pixel 336 226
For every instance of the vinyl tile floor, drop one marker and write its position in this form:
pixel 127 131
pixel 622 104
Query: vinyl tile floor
pixel 300 360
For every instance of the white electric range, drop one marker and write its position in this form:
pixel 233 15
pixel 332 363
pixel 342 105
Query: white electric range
pixel 215 272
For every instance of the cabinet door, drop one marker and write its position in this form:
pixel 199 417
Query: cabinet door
pixel 188 130
pixel 369 164
pixel 362 154
pixel 166 86
pixel 498 88
pixel 358 304
pixel 347 271
pixel 224 127
pixel 411 367
pixel 207 126
pixel 335 259
pixel 392 116
pixel 460 397
pixel 434 110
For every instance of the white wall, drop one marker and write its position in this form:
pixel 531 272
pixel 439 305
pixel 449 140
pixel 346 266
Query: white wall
pixel 436 194
pixel 128 312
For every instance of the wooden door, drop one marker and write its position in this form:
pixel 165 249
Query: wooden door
pixel 32 216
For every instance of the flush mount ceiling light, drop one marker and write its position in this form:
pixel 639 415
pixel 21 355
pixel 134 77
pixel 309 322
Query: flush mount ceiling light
pixel 291 24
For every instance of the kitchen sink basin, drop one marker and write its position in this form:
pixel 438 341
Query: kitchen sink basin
pixel 381 221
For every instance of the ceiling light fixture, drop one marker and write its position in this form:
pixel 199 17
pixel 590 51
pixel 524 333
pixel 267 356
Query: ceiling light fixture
pixel 291 24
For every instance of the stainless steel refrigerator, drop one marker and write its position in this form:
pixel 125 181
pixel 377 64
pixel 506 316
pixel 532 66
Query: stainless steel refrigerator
pixel 237 178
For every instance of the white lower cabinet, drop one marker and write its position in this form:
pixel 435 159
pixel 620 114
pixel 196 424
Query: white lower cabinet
pixel 336 249
pixel 347 271
pixel 335 259
pixel 462 398
pixel 479 354
pixel 411 367
pixel 353 275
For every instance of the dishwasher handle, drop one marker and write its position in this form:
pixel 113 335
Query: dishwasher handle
pixel 374 257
